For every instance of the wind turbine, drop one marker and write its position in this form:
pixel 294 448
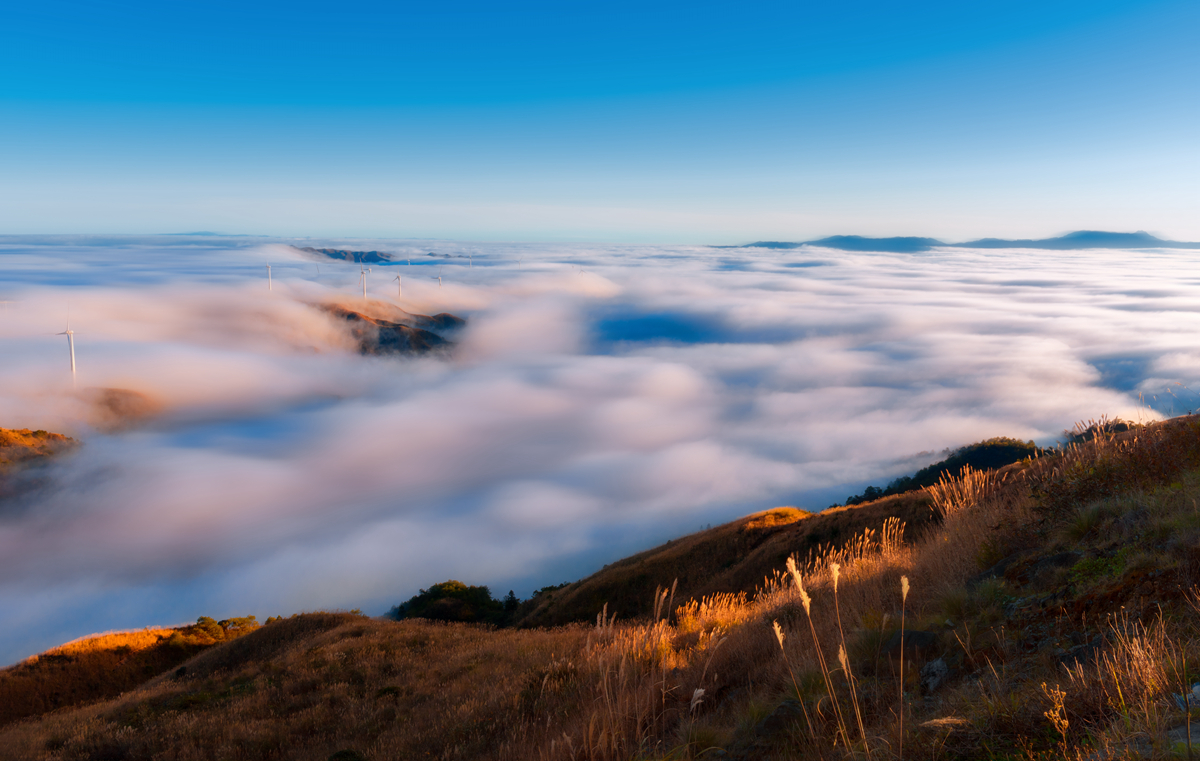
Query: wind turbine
pixel 399 287
pixel 439 277
pixel 70 334
pixel 362 275
pixel 269 287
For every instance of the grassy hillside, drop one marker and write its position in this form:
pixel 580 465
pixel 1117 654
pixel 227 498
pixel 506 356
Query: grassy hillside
pixel 734 557
pixel 319 684
pixel 1049 611
pixel 102 666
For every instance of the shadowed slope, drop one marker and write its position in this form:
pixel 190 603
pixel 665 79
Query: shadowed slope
pixel 101 666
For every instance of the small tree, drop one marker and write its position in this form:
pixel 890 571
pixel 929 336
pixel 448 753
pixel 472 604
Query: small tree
pixel 452 601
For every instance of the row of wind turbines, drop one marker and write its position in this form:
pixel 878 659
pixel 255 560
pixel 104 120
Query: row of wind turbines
pixel 362 279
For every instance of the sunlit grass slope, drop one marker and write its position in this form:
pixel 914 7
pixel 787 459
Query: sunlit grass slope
pixel 733 557
pixel 101 666
pixel 21 445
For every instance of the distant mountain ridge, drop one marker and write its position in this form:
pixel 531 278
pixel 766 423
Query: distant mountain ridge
pixel 358 257
pixel 1081 239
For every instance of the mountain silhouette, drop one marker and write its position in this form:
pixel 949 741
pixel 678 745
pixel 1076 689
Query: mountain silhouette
pixel 1081 239
pixel 358 257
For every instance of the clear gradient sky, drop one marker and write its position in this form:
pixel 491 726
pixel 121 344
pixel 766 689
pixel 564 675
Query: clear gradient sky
pixel 689 122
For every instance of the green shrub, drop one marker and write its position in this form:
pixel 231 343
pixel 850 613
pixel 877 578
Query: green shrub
pixel 984 455
pixel 454 601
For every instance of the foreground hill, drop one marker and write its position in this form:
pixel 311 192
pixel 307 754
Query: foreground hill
pixel 100 667
pixel 317 685
pixel 1049 610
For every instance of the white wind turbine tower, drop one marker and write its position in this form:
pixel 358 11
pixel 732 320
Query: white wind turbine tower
pixel 362 275
pixel 70 334
pixel 269 287
pixel 399 287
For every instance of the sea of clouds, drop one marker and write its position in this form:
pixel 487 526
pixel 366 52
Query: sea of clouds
pixel 601 400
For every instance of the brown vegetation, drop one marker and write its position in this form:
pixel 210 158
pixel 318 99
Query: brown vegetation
pixel 315 684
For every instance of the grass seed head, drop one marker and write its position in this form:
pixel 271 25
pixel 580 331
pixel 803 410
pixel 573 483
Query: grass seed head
pixel 804 598
pixel 791 566
pixel 904 589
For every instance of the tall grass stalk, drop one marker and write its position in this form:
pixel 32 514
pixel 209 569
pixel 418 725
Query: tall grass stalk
pixel 807 602
pixel 844 660
pixel 812 733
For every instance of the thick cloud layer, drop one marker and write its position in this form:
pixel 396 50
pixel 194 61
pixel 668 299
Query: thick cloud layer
pixel 600 401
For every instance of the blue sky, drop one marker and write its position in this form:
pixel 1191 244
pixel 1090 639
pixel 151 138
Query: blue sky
pixel 672 122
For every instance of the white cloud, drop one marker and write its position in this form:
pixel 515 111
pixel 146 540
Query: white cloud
pixel 287 472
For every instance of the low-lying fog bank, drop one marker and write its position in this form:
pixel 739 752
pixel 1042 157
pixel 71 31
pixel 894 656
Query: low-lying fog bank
pixel 597 400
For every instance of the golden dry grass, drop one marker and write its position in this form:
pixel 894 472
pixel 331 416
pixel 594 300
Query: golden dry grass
pixel 730 558
pixel 18 445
